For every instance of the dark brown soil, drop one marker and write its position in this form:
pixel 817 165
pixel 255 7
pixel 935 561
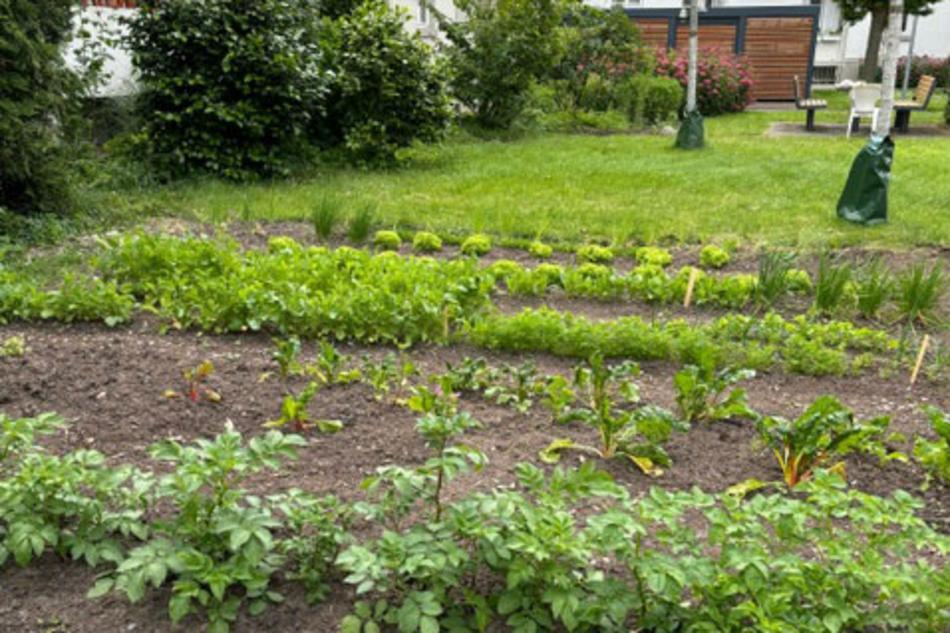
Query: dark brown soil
pixel 109 385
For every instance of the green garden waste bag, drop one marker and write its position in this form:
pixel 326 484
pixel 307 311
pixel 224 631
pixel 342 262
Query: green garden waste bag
pixel 690 135
pixel 864 198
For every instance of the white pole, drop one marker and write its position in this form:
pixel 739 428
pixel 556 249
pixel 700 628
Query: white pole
pixel 910 57
pixel 693 55
pixel 892 35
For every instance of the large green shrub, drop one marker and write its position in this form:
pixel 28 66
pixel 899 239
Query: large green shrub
pixel 600 46
pixel 37 94
pixel 229 86
pixel 387 90
pixel 497 50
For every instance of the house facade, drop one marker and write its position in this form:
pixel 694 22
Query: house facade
pixel 839 47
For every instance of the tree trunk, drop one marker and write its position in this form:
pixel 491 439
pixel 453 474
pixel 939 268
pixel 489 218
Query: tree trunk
pixel 693 55
pixel 892 45
pixel 878 24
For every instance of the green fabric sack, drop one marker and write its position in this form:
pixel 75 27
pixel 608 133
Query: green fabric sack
pixel 690 135
pixel 864 199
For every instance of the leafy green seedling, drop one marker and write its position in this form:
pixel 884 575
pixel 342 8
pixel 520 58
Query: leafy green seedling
pixel 293 411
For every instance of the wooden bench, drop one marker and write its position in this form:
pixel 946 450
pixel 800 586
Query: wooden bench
pixel 902 109
pixel 809 105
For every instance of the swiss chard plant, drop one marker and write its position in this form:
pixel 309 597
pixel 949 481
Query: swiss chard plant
pixel 819 437
pixel 287 356
pixel 196 379
pixel 704 394
pixel 295 412
pixel 330 367
pixel 610 403
pixel 520 388
pixel 216 544
pixel 388 374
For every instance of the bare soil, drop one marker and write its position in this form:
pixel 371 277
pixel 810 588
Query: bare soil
pixel 109 384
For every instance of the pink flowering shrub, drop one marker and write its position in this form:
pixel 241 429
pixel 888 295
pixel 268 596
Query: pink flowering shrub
pixel 723 82
pixel 936 67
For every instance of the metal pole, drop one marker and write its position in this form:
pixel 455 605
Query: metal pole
pixel 910 58
pixel 693 55
pixel 882 126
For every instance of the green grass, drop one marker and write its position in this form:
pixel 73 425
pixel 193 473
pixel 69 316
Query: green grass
pixel 621 187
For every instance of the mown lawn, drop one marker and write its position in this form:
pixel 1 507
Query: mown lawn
pixel 621 187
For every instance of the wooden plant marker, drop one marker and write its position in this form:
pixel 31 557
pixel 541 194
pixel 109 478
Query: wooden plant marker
pixel 920 358
pixel 690 285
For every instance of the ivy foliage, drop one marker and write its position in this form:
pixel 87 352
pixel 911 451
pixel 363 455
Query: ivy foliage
pixel 37 94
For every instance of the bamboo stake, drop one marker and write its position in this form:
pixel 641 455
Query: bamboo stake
pixel 920 358
pixel 693 276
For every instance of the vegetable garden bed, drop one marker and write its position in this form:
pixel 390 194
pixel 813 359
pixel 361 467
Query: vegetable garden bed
pixel 121 389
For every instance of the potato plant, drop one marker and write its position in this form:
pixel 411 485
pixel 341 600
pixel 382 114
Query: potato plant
pixel 934 455
pixel 74 504
pixel 217 545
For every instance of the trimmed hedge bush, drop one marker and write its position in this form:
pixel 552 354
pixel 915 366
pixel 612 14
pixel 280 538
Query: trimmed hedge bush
pixel 648 99
pixel 229 86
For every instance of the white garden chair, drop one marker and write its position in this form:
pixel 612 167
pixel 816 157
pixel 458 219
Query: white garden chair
pixel 863 103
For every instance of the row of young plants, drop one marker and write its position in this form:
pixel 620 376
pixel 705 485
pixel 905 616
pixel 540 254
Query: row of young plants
pixel 606 398
pixel 912 297
pixel 214 286
pixel 801 346
pixel 349 294
pixel 569 549
pixel 838 288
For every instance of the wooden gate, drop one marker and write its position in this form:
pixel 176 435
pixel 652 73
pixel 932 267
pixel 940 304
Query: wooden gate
pixel 776 42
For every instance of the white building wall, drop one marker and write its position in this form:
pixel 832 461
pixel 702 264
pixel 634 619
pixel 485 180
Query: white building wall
pixel 103 24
